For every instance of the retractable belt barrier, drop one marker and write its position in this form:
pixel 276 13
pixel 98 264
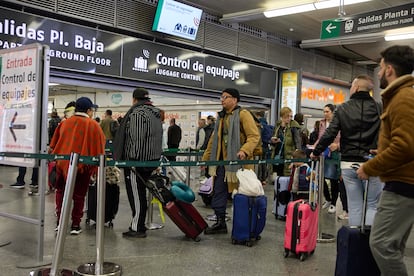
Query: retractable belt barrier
pixel 94 160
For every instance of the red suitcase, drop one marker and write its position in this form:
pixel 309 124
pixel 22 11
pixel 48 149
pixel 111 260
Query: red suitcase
pixel 187 218
pixel 301 229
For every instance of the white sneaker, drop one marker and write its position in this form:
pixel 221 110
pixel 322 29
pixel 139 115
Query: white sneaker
pixel 343 216
pixel 332 209
pixel 326 204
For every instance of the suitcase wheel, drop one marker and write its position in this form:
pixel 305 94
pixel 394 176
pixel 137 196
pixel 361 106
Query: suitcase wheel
pixel 302 257
pixel 197 239
pixel 233 241
pixel 286 254
pixel 110 224
pixel 249 243
pixel 258 238
pixel 87 221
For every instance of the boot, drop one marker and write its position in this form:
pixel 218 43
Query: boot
pixel 219 227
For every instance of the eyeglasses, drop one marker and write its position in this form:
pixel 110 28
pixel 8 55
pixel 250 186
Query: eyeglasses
pixel 225 97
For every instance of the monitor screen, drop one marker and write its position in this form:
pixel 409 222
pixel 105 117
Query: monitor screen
pixel 178 19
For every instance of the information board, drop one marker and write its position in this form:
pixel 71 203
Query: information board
pixel 20 102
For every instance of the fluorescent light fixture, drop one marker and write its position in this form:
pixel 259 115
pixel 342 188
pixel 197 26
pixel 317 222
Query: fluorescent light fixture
pixel 289 10
pixel 391 37
pixel 346 40
pixel 318 5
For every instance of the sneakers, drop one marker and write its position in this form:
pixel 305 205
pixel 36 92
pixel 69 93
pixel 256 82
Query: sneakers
pixel 75 230
pixel 326 204
pixel 332 209
pixel 17 185
pixel 34 190
pixel 343 216
pixel 134 234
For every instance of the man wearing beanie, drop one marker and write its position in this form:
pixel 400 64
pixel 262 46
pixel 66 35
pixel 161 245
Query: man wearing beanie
pixel 83 135
pixel 139 138
pixel 234 138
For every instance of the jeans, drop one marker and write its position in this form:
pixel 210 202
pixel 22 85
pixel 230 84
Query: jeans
pixel 355 188
pixel 390 231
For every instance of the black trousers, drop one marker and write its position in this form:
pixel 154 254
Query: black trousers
pixel 137 195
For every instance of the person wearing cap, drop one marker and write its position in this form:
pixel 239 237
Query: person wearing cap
pixel 83 135
pixel 234 138
pixel 139 138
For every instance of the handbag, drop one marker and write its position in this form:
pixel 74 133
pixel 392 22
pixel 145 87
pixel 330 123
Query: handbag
pixel 332 164
pixel 249 184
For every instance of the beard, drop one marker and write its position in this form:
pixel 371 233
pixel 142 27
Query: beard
pixel 383 82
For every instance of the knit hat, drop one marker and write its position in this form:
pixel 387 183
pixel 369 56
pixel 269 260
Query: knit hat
pixel 141 93
pixel 233 92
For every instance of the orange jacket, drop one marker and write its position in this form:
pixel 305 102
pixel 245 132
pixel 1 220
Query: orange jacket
pixel 79 134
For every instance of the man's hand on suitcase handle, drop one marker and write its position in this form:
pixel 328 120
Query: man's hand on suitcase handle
pixel 361 174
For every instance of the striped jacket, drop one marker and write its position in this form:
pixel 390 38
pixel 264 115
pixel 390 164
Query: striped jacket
pixel 143 134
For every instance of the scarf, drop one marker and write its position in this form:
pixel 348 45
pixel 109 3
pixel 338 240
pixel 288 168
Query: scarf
pixel 233 143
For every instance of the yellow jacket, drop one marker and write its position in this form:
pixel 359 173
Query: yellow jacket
pixel 249 138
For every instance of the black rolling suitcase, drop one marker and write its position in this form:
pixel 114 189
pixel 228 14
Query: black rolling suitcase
pixel 354 257
pixel 111 203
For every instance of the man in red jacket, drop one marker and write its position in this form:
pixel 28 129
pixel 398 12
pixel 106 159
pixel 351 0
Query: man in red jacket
pixel 83 135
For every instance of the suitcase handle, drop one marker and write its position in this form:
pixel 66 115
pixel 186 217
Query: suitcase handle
pixel 356 166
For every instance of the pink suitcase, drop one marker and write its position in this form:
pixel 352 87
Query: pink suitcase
pixel 301 229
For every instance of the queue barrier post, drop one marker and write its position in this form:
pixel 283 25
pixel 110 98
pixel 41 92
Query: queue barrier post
pixel 63 223
pixel 322 237
pixel 100 267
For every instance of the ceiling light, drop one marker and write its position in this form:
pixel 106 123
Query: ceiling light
pixel 391 37
pixel 346 40
pixel 318 5
pixel 289 10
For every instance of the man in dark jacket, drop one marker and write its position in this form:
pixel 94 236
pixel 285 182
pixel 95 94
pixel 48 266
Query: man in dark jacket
pixel 394 162
pixel 140 138
pixel 358 119
pixel 174 137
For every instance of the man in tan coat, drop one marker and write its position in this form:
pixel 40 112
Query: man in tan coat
pixel 394 162
pixel 234 138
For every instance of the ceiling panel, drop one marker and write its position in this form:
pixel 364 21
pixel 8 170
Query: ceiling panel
pixel 304 26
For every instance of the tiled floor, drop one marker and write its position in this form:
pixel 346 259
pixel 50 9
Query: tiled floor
pixel 164 252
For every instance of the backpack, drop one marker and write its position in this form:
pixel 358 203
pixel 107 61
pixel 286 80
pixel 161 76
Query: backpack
pixel 113 128
pixel 267 133
pixel 301 179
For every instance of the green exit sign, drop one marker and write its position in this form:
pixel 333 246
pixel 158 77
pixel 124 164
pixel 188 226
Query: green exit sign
pixel 330 28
